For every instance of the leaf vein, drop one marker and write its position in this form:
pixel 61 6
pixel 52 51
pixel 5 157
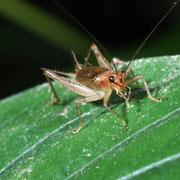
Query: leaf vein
pixel 150 166
pixel 101 156
pixel 43 139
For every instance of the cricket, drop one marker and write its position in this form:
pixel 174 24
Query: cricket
pixel 98 83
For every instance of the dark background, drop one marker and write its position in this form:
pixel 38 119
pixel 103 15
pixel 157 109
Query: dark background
pixel 118 25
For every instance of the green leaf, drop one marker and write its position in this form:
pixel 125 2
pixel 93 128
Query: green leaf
pixel 35 143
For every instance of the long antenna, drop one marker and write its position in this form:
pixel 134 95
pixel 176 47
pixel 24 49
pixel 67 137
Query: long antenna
pixel 114 66
pixel 152 31
pixel 80 25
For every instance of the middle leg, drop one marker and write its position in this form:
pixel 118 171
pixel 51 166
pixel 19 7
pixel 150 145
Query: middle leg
pixel 83 100
pixel 105 104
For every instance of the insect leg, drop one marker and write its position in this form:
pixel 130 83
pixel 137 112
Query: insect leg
pixel 127 98
pixel 129 70
pixel 101 59
pixel 135 78
pixel 73 86
pixel 83 100
pixel 123 95
pixel 63 73
pixel 129 94
pixel 87 57
pixel 105 104
pixel 119 62
pixel 53 92
pixel 77 63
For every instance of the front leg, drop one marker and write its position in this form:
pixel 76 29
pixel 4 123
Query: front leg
pixel 129 70
pixel 135 78
pixel 129 95
pixel 105 103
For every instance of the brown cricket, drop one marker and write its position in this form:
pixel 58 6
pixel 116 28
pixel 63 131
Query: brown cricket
pixel 95 83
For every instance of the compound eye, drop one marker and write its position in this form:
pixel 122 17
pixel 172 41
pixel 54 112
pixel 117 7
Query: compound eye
pixel 111 79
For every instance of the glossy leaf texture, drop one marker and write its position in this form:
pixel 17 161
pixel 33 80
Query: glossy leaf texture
pixel 35 144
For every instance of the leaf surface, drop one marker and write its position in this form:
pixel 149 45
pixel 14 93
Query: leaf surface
pixel 35 143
